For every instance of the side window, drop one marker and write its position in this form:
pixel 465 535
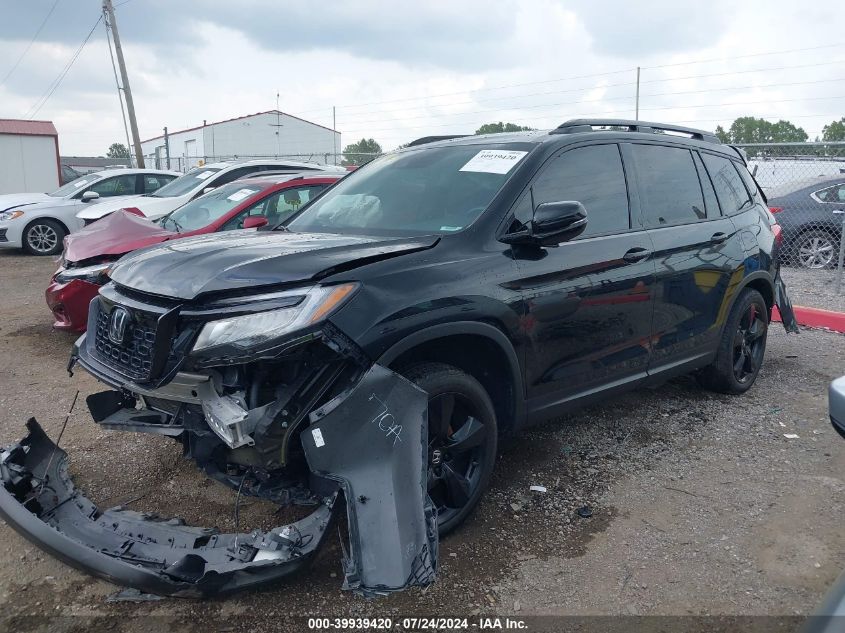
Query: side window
pixel 710 201
pixel 155 181
pixel 277 207
pixel 732 194
pixel 670 192
pixel 123 185
pixel 232 176
pixel 834 194
pixel 593 176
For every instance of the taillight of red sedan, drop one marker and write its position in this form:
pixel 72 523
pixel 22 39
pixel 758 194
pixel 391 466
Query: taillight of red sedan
pixel 775 209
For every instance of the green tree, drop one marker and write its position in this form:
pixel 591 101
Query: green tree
pixel 722 135
pixel 834 131
pixel 361 152
pixel 117 150
pixel 498 128
pixel 748 129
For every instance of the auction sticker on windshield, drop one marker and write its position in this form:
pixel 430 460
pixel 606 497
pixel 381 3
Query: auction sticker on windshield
pixel 240 194
pixel 493 161
pixel 204 174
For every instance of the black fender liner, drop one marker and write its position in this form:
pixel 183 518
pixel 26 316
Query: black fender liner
pixel 477 328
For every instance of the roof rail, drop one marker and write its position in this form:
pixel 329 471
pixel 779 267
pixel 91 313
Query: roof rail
pixel 431 139
pixel 587 125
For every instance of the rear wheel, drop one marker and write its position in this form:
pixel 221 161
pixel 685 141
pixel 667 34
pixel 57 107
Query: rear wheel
pixel 742 347
pixel 43 237
pixel 462 437
pixel 815 249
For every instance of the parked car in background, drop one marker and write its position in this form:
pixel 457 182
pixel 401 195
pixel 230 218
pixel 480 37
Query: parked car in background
pixel 38 223
pixel 69 174
pixel 201 180
pixel 811 213
pixel 89 253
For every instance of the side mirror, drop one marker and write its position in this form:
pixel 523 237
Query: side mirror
pixel 255 222
pixel 551 224
pixel 88 196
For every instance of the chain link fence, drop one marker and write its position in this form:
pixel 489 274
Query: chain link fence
pixel 186 163
pixel 805 186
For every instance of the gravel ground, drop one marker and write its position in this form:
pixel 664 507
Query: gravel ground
pixel 698 504
pixel 814 288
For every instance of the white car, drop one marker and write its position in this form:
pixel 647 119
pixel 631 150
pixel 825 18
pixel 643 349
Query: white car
pixel 198 181
pixel 39 222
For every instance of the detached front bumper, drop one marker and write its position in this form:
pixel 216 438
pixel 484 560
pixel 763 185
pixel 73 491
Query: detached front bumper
pixel 368 443
pixel 69 303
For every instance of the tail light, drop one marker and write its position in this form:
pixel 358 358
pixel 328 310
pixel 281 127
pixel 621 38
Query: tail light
pixel 775 209
pixel 778 233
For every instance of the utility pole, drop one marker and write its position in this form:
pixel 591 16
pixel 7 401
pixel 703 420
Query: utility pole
pixel 127 92
pixel 167 146
pixel 334 132
pixel 637 111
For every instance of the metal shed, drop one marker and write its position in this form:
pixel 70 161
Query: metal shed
pixel 29 156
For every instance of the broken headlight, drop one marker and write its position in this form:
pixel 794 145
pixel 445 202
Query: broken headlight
pixel 96 274
pixel 311 306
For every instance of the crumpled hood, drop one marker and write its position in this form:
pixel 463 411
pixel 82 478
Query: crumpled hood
pixel 12 200
pixel 187 268
pixel 116 234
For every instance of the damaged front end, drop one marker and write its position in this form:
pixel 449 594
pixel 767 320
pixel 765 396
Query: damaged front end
pixel 305 420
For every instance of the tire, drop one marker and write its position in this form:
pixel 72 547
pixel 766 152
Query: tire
pixel 43 237
pixel 815 249
pixel 742 347
pixel 457 479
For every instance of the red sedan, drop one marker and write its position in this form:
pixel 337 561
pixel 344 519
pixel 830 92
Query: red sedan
pixel 243 204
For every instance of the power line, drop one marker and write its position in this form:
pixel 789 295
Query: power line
pixel 599 100
pixel 678 107
pixel 31 42
pixel 57 82
pixel 588 76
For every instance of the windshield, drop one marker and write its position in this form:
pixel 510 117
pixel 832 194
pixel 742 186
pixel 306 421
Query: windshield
pixel 201 212
pixel 75 185
pixel 184 184
pixel 430 190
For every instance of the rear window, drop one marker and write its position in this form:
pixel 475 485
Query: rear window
pixel 670 192
pixel 732 194
pixel 187 183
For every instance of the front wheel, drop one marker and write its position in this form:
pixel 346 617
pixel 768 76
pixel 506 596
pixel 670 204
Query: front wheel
pixel 462 435
pixel 743 345
pixel 43 237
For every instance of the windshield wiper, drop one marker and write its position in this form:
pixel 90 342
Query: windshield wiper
pixel 175 224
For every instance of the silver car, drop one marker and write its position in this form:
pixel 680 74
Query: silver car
pixel 38 222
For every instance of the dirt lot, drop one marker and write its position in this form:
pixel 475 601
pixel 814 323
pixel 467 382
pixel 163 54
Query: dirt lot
pixel 699 503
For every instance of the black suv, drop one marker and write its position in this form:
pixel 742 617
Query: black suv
pixel 375 347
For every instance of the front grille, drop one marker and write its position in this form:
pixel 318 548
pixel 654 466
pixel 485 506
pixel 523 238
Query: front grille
pixel 3 237
pixel 134 357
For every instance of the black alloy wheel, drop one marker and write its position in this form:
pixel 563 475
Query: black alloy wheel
pixel 749 344
pixel 462 435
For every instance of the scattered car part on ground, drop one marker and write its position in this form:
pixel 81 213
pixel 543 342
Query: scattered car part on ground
pixel 836 405
pixel 512 277
pixel 201 180
pixel 38 223
pixel 90 252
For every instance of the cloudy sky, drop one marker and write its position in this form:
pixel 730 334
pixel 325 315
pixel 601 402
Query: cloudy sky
pixel 397 71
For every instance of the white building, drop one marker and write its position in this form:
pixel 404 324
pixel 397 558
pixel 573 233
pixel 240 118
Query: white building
pixel 29 156
pixel 260 135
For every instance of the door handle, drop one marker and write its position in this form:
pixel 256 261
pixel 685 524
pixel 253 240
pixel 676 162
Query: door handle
pixel 718 238
pixel 636 254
